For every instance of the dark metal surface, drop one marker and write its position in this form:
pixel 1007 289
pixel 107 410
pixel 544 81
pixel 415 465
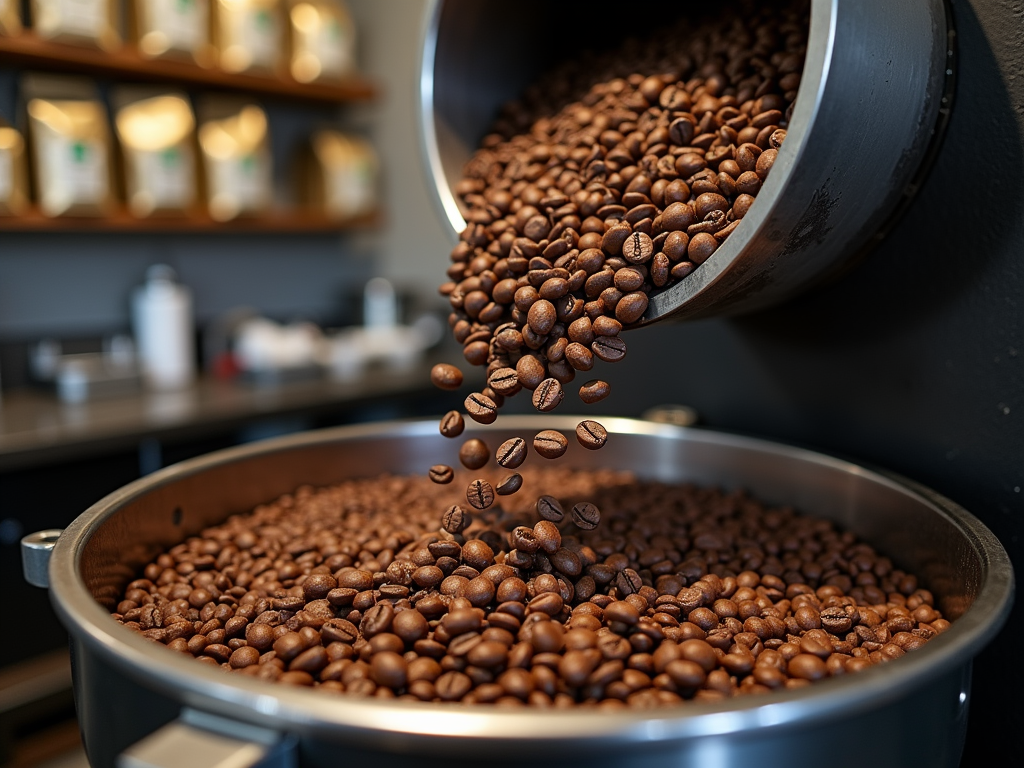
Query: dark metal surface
pixel 956 555
pixel 873 85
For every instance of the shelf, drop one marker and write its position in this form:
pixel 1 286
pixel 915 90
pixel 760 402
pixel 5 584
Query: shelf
pixel 127 64
pixel 295 222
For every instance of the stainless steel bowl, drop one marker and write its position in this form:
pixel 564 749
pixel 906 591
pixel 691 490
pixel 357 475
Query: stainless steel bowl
pixel 876 89
pixel 913 711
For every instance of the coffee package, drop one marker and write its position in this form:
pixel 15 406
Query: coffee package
pixel 341 175
pixel 89 22
pixel 10 17
pixel 172 29
pixel 234 146
pixel 248 34
pixel 13 173
pixel 69 146
pixel 156 134
pixel 322 40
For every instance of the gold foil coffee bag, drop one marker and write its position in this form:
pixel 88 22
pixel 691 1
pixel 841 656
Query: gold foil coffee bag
pixel 13 174
pixel 156 136
pixel 322 40
pixel 92 22
pixel 10 17
pixel 236 162
pixel 172 28
pixel 248 34
pixel 343 178
pixel 69 146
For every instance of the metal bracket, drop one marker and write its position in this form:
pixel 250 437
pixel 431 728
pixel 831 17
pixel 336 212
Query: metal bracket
pixel 35 556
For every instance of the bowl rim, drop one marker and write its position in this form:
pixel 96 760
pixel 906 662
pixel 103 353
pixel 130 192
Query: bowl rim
pixel 428 726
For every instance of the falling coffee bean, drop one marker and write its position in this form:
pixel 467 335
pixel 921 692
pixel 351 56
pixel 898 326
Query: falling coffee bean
pixel 511 453
pixel 611 349
pixel 481 408
pixel 591 434
pixel 445 376
pixel 550 509
pixel 441 474
pixel 452 424
pixel 550 444
pixel 474 453
pixel 454 520
pixel 547 395
pixel 594 391
pixel 504 381
pixel 480 494
pixel 586 515
pixel 509 485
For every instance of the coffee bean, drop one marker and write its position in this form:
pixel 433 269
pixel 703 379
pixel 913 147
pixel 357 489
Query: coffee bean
pixel 445 376
pixel 586 515
pixel 452 424
pixel 511 453
pixel 611 349
pixel 638 248
pixel 509 485
pixel 631 307
pixel 590 434
pixel 441 474
pixel 550 444
pixel 594 391
pixel 547 395
pixel 480 494
pixel 550 509
pixel 474 453
pixel 455 520
pixel 481 408
pixel 504 381
pixel 628 581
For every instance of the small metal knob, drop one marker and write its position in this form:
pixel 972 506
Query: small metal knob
pixel 35 556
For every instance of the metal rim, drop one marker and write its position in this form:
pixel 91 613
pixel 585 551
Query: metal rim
pixel 426 726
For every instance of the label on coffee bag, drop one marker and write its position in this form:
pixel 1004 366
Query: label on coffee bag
pixel 183 22
pixel 168 177
pixel 74 171
pixel 87 18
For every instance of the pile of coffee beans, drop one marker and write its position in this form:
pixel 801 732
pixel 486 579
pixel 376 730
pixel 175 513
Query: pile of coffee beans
pixel 680 593
pixel 615 176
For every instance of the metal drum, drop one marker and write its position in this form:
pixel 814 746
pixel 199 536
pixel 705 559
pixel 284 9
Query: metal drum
pixel 127 687
pixel 875 94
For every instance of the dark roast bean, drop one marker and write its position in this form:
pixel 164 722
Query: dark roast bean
pixel 509 485
pixel 441 474
pixel 586 515
pixel 611 349
pixel 549 508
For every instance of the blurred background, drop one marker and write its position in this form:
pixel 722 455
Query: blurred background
pixel 305 295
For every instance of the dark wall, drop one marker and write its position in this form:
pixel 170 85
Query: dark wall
pixel 913 362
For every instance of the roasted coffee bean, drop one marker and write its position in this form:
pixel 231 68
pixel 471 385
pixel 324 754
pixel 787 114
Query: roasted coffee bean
pixel 611 349
pixel 511 453
pixel 590 434
pixel 452 424
pixel 441 474
pixel 481 408
pixel 504 381
pixel 586 515
pixel 549 508
pixel 474 453
pixel 550 444
pixel 594 391
pixel 509 484
pixel 547 396
pixel 444 376
pixel 638 248
pixel 455 519
pixel 480 494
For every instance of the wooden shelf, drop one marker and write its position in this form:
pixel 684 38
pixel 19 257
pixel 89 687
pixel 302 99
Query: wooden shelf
pixel 284 222
pixel 28 49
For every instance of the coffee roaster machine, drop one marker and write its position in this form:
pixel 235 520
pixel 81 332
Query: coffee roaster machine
pixel 836 190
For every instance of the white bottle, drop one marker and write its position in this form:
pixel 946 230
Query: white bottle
pixel 162 319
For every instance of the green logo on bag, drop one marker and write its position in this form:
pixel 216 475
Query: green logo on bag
pixel 79 152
